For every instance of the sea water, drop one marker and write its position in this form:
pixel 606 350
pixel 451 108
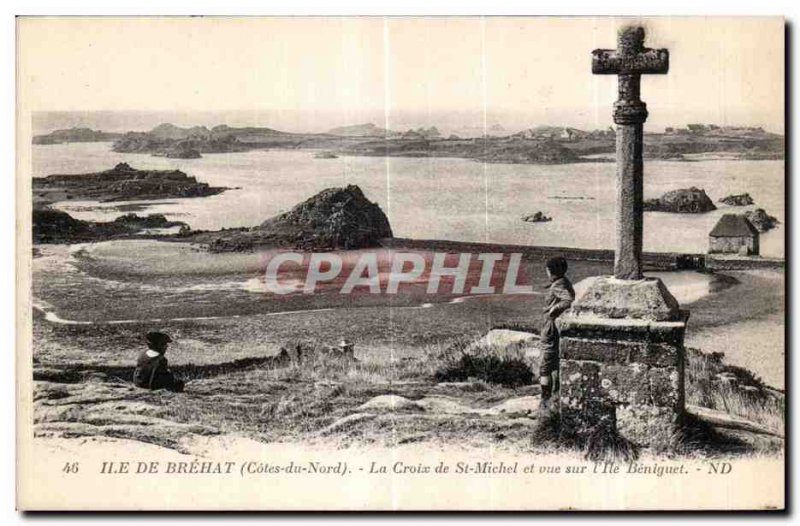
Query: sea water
pixel 442 198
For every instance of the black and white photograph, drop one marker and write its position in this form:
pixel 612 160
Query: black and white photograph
pixel 401 263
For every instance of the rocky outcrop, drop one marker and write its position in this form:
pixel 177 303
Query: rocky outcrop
pixel 538 217
pixel 737 200
pixel 148 221
pixel 55 226
pixel 100 407
pixel 181 150
pixel 761 219
pixel 121 183
pixel 336 218
pixel 683 201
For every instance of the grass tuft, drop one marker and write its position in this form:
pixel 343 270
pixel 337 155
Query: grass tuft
pixel 506 365
pixel 505 371
pixel 734 390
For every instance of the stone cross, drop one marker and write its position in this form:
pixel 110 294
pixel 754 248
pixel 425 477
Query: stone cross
pixel 629 62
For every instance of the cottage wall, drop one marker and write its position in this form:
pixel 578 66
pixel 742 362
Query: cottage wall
pixel 732 245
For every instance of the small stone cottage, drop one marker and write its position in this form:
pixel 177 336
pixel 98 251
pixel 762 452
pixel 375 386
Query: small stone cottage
pixel 733 234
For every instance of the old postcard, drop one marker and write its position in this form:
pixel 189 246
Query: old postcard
pixel 401 263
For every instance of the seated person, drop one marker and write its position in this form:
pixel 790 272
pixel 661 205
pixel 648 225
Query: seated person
pixel 347 349
pixel 152 370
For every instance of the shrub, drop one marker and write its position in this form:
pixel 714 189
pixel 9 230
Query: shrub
pixel 504 365
pixel 510 372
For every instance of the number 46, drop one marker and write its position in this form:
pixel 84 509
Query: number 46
pixel 70 467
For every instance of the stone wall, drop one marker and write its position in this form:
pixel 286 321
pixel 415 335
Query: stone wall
pixel 732 245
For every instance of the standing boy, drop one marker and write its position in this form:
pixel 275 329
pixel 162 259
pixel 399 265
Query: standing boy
pixel 560 295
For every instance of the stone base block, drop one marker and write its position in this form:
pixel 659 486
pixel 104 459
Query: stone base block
pixel 653 426
pixel 635 367
pixel 589 327
pixel 633 384
pixel 618 352
pixel 584 417
pixel 608 297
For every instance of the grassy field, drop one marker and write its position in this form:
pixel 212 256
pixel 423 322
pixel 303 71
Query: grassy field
pixel 417 376
pixel 320 396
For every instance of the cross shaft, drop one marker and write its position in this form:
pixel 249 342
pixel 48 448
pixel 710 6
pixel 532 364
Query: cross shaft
pixel 629 62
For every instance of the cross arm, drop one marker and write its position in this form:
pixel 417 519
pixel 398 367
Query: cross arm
pixel 646 61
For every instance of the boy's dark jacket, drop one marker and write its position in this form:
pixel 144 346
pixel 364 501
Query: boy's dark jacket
pixel 152 372
pixel 560 295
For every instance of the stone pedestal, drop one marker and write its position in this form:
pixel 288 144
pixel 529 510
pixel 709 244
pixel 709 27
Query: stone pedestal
pixel 622 359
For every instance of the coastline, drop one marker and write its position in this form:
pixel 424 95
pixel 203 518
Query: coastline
pixel 211 293
pixel 92 311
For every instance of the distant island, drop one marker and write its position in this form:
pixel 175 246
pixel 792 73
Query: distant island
pixel 335 218
pixel 537 145
pixel 75 135
pixel 120 183
pixel 362 130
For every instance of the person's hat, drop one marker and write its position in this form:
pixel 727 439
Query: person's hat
pixel 157 338
pixel 557 265
pixel 345 343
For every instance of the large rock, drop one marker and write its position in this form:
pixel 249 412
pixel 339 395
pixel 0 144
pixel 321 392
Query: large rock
pixel 537 217
pixel 737 200
pixel 761 219
pixel 149 221
pixel 336 218
pixel 505 339
pixel 683 201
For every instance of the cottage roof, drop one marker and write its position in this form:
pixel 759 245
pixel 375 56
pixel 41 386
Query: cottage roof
pixel 733 225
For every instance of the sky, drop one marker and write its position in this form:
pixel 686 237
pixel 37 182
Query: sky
pixel 309 74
